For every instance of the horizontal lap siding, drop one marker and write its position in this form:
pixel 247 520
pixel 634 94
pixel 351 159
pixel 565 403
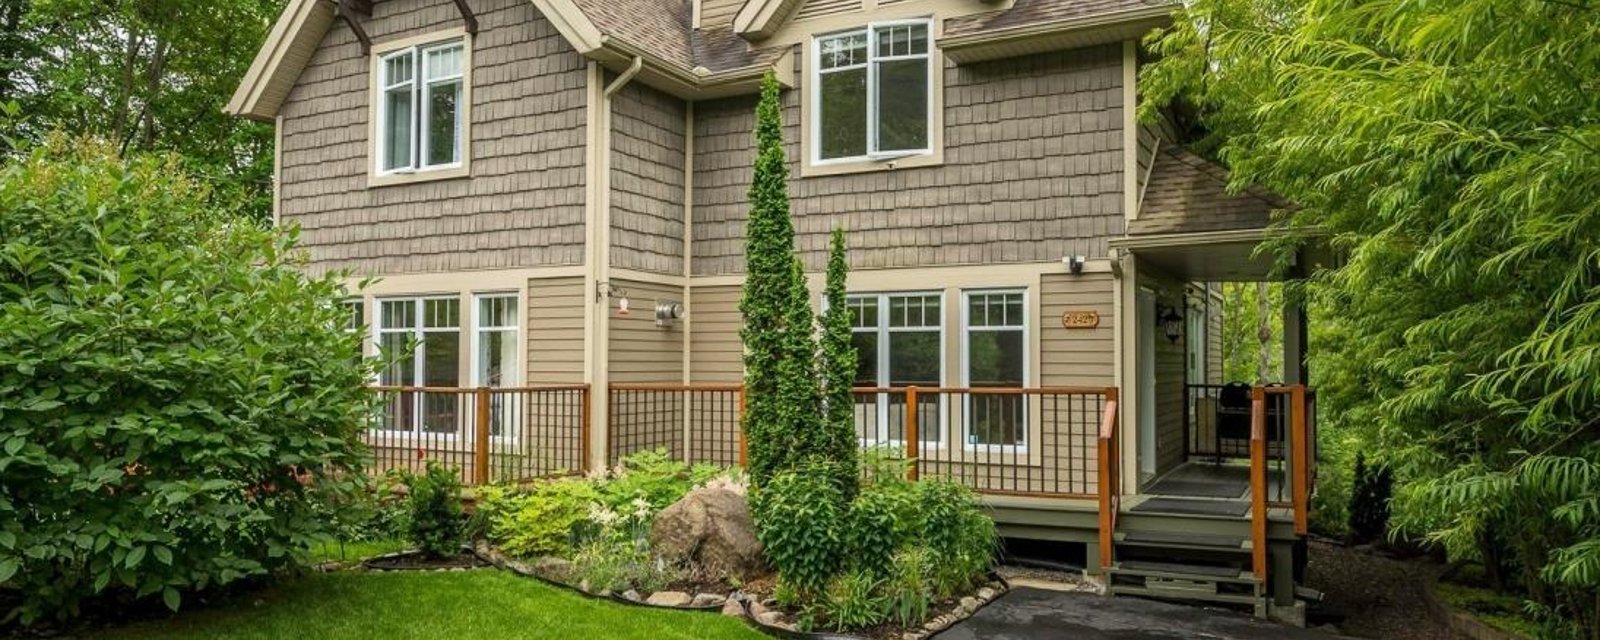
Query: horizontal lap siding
pixel 647 178
pixel 1077 357
pixel 523 205
pixel 718 354
pixel 1032 171
pixel 1169 369
pixel 641 351
pixel 555 330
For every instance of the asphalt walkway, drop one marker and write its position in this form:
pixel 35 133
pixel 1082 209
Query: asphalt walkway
pixel 1036 614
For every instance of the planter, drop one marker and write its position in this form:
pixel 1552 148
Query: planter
pixel 755 616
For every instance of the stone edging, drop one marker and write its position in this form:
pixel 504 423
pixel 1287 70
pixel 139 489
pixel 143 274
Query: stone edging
pixel 1460 621
pixel 969 605
pixel 499 560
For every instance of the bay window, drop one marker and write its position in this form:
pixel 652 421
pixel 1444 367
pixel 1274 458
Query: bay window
pixel 872 92
pixel 995 348
pixel 421 115
pixel 898 341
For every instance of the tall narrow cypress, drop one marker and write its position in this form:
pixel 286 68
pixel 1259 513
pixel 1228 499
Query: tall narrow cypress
pixel 838 367
pixel 769 260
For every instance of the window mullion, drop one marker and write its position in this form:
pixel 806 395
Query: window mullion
pixel 872 91
pixel 417 105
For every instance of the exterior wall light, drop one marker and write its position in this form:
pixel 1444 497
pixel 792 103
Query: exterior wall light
pixel 1171 323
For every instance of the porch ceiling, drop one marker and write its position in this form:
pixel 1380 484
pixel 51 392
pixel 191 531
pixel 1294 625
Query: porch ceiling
pixel 1203 257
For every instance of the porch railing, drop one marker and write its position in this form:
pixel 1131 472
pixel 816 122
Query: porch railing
pixel 1007 441
pixel 486 434
pixel 1109 450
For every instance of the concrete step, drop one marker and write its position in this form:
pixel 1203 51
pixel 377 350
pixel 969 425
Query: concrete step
pixel 1225 544
pixel 1179 571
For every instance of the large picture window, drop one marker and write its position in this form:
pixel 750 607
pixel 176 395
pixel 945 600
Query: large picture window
pixel 995 355
pixel 898 341
pixel 420 112
pixel 872 92
pixel 419 341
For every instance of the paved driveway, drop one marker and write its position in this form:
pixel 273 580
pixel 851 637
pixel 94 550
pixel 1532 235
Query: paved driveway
pixel 1036 614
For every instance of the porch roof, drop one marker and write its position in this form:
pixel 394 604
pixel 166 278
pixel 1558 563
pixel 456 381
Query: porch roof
pixel 1213 256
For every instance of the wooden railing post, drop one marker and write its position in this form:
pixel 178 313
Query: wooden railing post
pixel 744 454
pixel 584 429
pixel 1106 453
pixel 480 440
pixel 1299 458
pixel 1258 481
pixel 912 453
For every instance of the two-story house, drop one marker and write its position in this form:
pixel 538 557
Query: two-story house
pixel 552 193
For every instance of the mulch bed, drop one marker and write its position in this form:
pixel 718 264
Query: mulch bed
pixel 418 561
pixel 1380 596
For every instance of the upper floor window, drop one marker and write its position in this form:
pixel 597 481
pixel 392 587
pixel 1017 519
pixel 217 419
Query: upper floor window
pixel 872 93
pixel 420 111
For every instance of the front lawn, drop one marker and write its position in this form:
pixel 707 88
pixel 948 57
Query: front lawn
pixel 482 605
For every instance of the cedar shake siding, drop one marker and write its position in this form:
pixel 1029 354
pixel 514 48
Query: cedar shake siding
pixel 1032 172
pixel 647 142
pixel 523 204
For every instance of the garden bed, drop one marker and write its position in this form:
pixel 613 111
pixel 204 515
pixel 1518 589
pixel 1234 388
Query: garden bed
pixel 419 561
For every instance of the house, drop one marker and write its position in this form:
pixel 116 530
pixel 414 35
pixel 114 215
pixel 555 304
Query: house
pixel 552 195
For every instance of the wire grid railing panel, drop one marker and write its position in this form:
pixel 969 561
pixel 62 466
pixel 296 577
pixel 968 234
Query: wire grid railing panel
pixel 693 423
pixel 485 435
pixel 1216 422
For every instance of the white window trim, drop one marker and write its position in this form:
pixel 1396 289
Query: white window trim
pixel 377 176
pixel 511 434
pixel 1027 370
pixel 418 362
pixel 814 96
pixel 882 330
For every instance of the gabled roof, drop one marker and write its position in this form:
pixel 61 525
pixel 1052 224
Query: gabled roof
pixel 1188 193
pixel 715 59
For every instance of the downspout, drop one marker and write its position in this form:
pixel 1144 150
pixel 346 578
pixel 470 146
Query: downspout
pixel 600 353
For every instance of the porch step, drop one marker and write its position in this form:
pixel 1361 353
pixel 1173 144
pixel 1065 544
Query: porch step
pixel 1187 572
pixel 1164 593
pixel 1194 507
pixel 1184 541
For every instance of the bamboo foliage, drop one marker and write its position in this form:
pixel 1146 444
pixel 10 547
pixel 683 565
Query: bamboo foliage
pixel 1450 154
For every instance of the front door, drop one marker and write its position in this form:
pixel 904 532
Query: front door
pixel 1146 381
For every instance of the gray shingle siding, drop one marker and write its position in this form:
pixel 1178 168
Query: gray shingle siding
pixel 1032 171
pixel 647 144
pixel 523 205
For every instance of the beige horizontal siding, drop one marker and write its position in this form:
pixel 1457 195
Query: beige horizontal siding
pixel 641 351
pixel 1077 357
pixel 555 330
pixel 718 354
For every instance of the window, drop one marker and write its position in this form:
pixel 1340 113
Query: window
pixel 871 93
pixel 420 115
pixel 495 362
pixel 419 340
pixel 995 355
pixel 897 339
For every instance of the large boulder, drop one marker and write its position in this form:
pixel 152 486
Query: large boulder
pixel 710 530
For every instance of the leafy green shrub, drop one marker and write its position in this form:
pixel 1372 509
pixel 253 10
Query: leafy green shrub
pixel 908 590
pixel 433 518
pixel 179 401
pixel 538 522
pixel 885 465
pixel 880 520
pixel 800 520
pixel 614 551
pixel 1372 487
pixel 655 477
pixel 852 601
pixel 957 532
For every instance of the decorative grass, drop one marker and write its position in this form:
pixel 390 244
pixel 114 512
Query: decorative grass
pixel 482 605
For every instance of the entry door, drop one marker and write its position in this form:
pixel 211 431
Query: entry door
pixel 1146 380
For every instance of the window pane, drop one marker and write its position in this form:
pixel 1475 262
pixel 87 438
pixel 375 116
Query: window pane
pixel 398 314
pixel 444 134
pixel 397 69
pixel 444 62
pixel 902 40
pixel 864 312
pixel 842 123
pixel 397 128
pixel 441 313
pixel 903 105
pixel 914 358
pixel 355 314
pixel 843 50
pixel 866 344
pixel 995 359
pixel 394 350
pixel 441 357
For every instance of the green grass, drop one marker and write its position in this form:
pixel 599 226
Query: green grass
pixel 1501 611
pixel 482 605
pixel 355 551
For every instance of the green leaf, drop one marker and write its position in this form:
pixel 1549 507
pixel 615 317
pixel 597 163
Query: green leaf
pixel 135 555
pixel 162 554
pixel 8 568
pixel 171 597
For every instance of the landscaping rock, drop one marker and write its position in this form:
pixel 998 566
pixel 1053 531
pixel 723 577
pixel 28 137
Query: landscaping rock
pixel 770 618
pixel 986 594
pixel 553 568
pixel 710 529
pixel 969 604
pixel 708 600
pixel 733 609
pixel 631 595
pixel 669 599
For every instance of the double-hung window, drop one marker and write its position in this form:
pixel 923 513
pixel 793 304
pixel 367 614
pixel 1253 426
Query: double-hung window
pixel 421 118
pixel 419 341
pixel 872 93
pixel 995 355
pixel 898 341
pixel 495 362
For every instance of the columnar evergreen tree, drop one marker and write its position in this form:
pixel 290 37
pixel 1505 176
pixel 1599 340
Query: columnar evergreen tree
pixel 838 366
pixel 776 410
pixel 800 397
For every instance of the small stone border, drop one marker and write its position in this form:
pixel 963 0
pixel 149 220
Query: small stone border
pixel 375 562
pixel 759 616
pixel 1461 622
pixel 676 600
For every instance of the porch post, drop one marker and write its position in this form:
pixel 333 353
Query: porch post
pixel 1294 340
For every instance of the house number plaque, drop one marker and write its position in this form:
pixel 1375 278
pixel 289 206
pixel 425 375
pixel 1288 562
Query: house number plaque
pixel 1080 319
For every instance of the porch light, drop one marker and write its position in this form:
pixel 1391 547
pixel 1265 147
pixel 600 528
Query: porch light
pixel 1171 324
